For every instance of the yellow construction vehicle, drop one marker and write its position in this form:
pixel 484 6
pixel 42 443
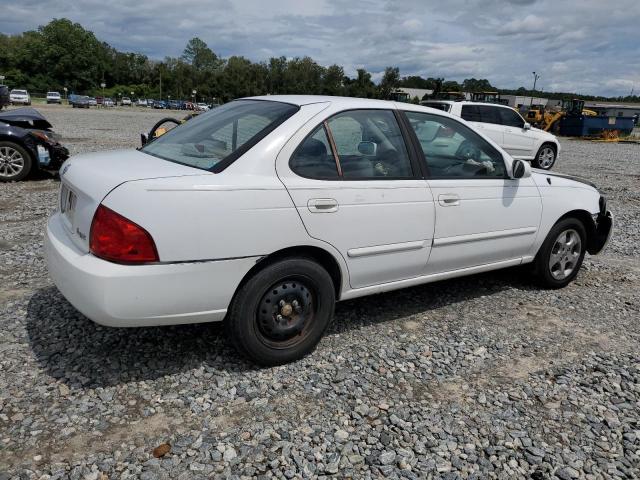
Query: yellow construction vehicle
pixel 547 119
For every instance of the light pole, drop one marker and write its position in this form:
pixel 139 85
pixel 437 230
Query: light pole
pixel 65 93
pixel 194 95
pixel 103 85
pixel 535 80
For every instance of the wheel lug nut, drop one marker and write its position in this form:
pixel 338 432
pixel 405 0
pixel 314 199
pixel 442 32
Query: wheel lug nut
pixel 279 318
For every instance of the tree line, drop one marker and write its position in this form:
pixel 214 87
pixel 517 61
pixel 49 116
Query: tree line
pixel 64 54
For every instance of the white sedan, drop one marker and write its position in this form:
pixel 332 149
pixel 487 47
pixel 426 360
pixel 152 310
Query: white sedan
pixel 265 211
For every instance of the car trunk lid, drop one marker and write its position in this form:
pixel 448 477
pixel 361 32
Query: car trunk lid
pixel 87 179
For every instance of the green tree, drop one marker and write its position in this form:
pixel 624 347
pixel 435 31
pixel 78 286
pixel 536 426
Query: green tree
pixel 390 81
pixel 198 54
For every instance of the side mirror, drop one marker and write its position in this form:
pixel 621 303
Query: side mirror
pixel 368 149
pixel 520 169
pixel 527 126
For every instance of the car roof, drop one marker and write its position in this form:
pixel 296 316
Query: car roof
pixel 467 102
pixel 309 99
pixel 349 103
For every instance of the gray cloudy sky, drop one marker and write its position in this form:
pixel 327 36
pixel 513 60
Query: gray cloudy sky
pixel 587 46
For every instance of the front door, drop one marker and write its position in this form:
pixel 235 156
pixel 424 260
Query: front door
pixel 518 141
pixel 482 216
pixel 356 187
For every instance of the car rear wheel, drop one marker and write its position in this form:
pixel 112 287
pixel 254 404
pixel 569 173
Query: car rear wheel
pixel 561 254
pixel 15 162
pixel 546 157
pixel 280 313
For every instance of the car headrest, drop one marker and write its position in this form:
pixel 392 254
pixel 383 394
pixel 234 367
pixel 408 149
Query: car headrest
pixel 312 148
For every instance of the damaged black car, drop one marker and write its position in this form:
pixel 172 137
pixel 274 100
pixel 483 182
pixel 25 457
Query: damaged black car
pixel 27 144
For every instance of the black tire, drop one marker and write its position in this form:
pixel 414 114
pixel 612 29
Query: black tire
pixel 558 274
pixel 6 174
pixel 543 159
pixel 269 332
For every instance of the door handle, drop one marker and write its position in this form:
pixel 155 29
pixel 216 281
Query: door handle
pixel 449 200
pixel 322 205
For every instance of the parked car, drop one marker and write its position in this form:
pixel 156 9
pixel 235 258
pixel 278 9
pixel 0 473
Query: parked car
pixel 27 143
pixel 160 104
pixel 203 107
pixel 267 210
pixel 142 102
pixel 99 100
pixel 175 104
pixel 93 102
pixel 108 102
pixel 507 128
pixel 126 102
pixel 54 97
pixel 4 96
pixel 79 101
pixel 19 97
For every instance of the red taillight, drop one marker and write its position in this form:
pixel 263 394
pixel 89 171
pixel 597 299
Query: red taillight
pixel 117 239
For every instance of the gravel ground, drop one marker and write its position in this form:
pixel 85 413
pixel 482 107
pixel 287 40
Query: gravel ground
pixel 481 377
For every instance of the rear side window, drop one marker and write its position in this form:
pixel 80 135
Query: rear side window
pixel 471 113
pixel 489 114
pixel 510 118
pixel 213 140
pixel 368 143
pixel 314 158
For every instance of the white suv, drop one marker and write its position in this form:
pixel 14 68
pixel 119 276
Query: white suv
pixel 19 96
pixel 507 128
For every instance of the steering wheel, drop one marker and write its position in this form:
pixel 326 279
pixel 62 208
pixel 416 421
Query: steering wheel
pixel 156 131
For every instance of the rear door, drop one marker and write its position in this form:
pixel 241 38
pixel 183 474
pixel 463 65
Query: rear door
pixel 484 118
pixel 358 187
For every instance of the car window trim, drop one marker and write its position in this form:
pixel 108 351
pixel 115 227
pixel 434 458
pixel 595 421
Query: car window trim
pixel 325 123
pixel 332 144
pixel 424 157
pixel 410 133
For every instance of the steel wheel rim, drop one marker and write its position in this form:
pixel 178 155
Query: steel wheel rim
pixel 565 254
pixel 285 312
pixel 11 162
pixel 546 157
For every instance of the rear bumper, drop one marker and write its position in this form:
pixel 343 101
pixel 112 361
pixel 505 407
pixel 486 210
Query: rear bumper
pixel 140 295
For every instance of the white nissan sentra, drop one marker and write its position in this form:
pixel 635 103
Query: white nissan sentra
pixel 265 211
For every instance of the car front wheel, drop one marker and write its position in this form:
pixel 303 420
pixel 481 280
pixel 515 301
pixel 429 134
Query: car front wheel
pixel 545 158
pixel 15 162
pixel 561 255
pixel 280 313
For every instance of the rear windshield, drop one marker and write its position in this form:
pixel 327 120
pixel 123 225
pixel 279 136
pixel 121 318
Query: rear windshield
pixel 19 92
pixel 53 94
pixel 439 105
pixel 213 140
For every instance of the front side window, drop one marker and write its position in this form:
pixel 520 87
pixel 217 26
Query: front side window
pixel 452 150
pixel 214 139
pixel 368 143
pixel 510 118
